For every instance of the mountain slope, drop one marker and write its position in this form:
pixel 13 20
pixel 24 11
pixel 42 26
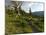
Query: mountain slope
pixel 38 13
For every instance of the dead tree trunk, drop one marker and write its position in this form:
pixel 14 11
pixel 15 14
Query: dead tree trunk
pixel 17 4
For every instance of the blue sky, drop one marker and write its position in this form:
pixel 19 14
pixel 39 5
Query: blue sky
pixel 33 5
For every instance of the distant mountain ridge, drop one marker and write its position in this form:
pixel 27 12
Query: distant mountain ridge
pixel 38 13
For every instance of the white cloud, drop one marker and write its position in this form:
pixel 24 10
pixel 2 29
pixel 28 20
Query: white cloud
pixel 34 7
pixel 30 4
pixel 37 7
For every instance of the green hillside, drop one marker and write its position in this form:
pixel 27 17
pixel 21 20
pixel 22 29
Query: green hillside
pixel 23 23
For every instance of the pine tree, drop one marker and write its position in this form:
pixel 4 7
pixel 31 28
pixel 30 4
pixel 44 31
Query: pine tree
pixel 30 11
